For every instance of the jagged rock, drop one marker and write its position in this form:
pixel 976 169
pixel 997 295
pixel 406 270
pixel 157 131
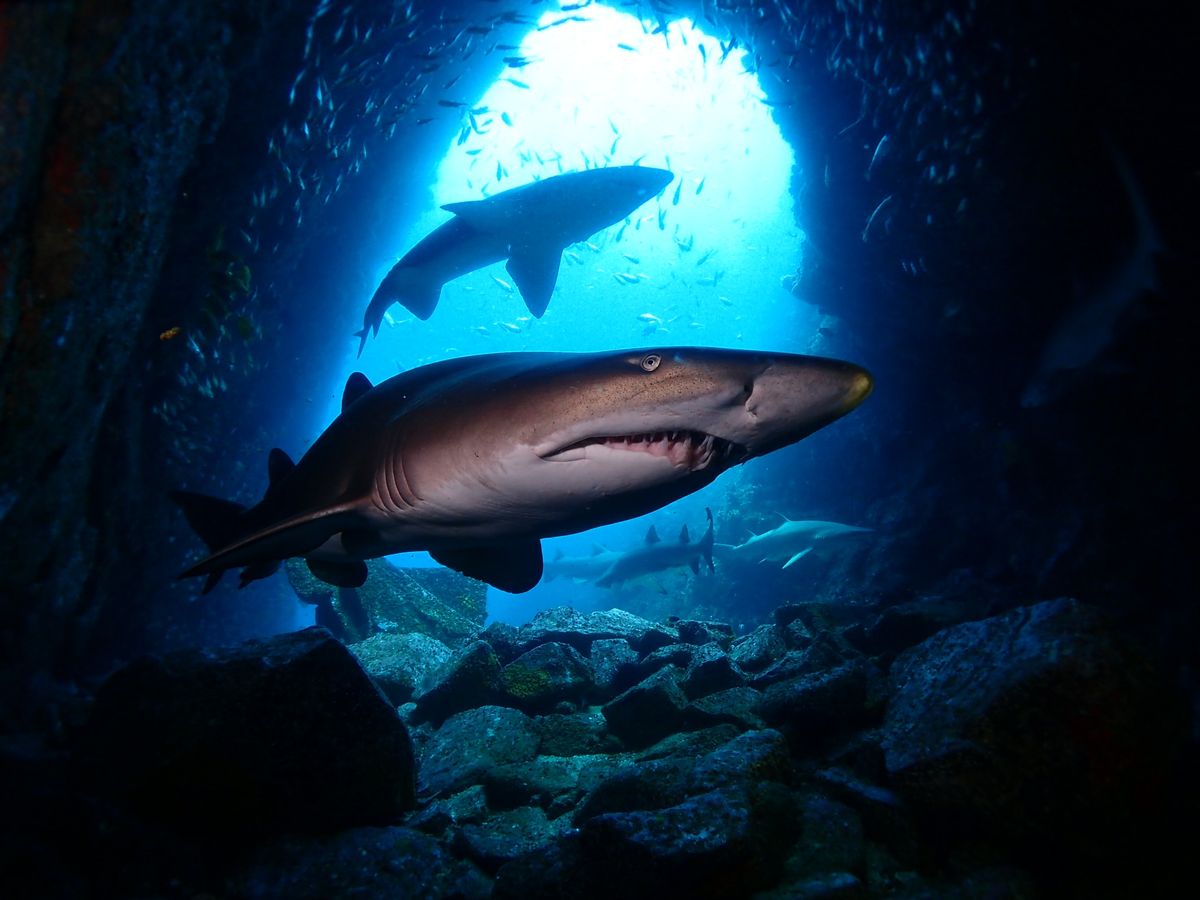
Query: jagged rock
pixel 690 744
pixel 723 843
pixel 576 734
pixel 505 639
pixel 1038 724
pixel 610 657
pixel 796 635
pixel 882 810
pixel 709 671
pixel 758 649
pixel 658 783
pixel 832 840
pixel 470 743
pixel 907 624
pixel 814 658
pixel 437 602
pixel 469 680
pixel 400 663
pixel 679 655
pixel 542 781
pixel 363 862
pixel 466 806
pixel 286 733
pixel 580 630
pixel 831 886
pixel 811 706
pixel 648 711
pixel 505 837
pixel 699 633
pixel 737 706
pixel 540 678
pixel 753 756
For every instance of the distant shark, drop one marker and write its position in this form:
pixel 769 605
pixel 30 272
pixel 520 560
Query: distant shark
pixel 530 226
pixel 1090 325
pixel 477 459
pixel 657 556
pixel 580 568
pixel 791 541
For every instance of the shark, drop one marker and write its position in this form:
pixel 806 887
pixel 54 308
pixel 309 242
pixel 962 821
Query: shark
pixel 530 226
pixel 476 459
pixel 656 556
pixel 580 568
pixel 791 541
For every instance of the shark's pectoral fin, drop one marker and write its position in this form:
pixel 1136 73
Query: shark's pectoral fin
pixel 356 385
pixel 534 270
pixel 802 553
pixel 348 574
pixel 512 567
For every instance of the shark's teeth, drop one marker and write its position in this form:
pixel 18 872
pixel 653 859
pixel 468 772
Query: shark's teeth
pixel 691 449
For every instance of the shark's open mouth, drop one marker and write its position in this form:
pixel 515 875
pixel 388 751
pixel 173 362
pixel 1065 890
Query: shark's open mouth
pixel 691 449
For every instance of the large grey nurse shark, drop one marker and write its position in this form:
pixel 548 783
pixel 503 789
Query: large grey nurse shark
pixel 477 459
pixel 530 226
pixel 792 540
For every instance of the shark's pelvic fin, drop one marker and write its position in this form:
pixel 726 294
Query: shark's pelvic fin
pixel 799 555
pixel 534 270
pixel 513 567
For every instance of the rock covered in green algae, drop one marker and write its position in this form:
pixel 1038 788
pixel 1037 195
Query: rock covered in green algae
pixel 546 675
pixel 469 744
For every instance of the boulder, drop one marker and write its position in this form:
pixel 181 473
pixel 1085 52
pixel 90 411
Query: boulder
pixel 505 837
pixel 576 734
pixel 401 663
pixel 1038 724
pixel 580 630
pixel 281 734
pixel 813 658
pixel 758 649
pixel 810 707
pixel 699 633
pixel 469 680
pixel 648 711
pixel 738 706
pixel 541 781
pixel 611 658
pixel 471 743
pixel 362 862
pixel 539 679
pixel 710 670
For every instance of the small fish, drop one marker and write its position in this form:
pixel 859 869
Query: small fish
pixel 633 259
pixel 628 47
pixel 625 278
pixel 649 317
pixel 481 329
pixel 678 188
pixel 700 186
pixel 510 327
pixel 705 257
pixel 506 119
pixel 662 220
pixel 516 83
pixel 573 257
pixel 171 333
pixel 504 284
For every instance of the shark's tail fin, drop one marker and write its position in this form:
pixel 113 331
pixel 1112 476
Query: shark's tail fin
pixel 706 542
pixel 218 522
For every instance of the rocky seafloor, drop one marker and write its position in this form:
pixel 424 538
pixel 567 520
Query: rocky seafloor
pixel 833 752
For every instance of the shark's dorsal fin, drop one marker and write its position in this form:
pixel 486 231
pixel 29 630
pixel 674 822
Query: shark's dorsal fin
pixel 784 517
pixel 279 464
pixel 514 567
pixel 684 537
pixel 356 385
pixel 652 536
pixel 597 549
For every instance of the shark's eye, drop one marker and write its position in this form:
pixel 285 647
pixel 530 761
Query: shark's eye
pixel 651 361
